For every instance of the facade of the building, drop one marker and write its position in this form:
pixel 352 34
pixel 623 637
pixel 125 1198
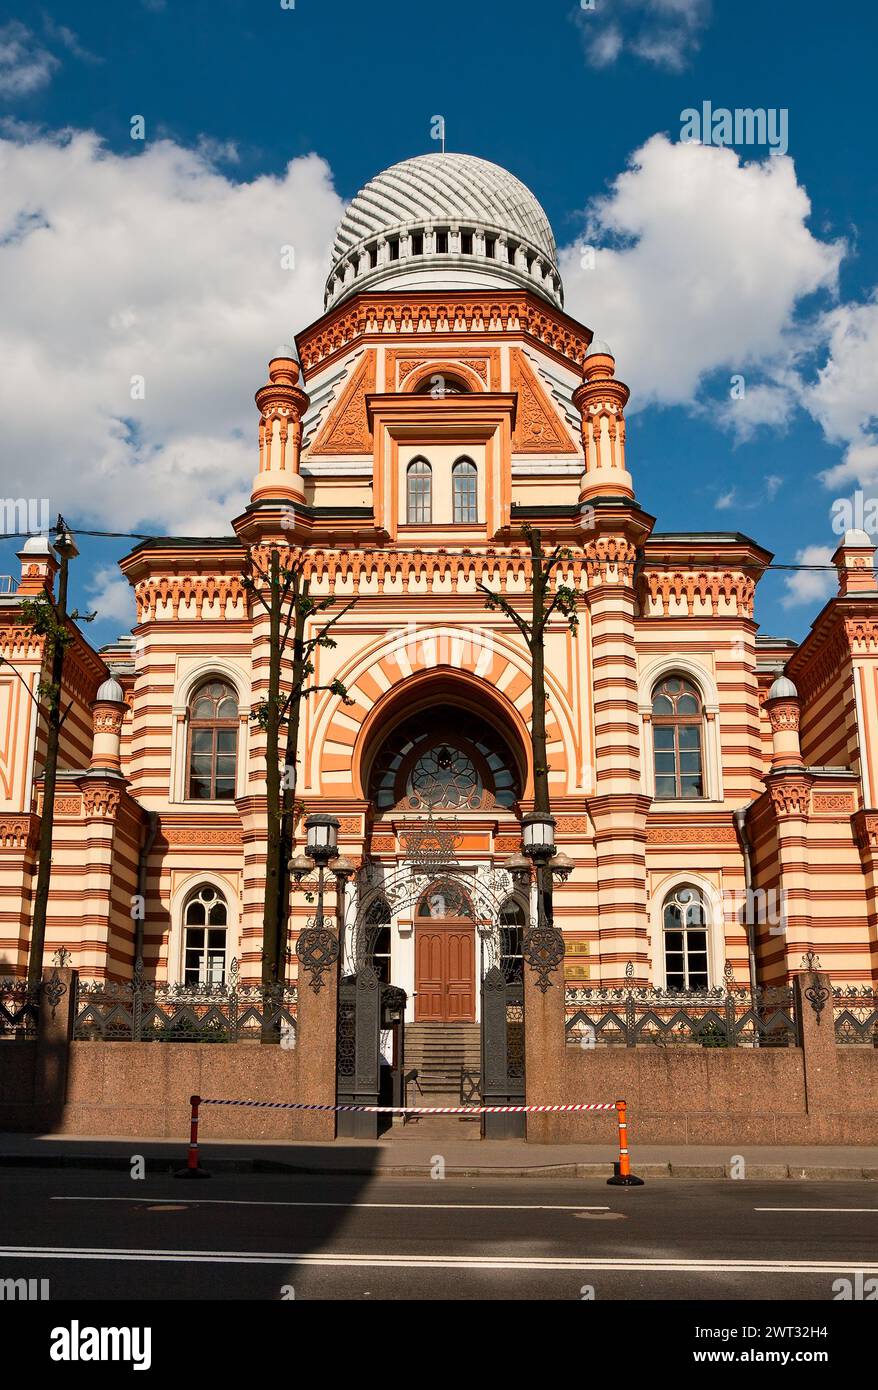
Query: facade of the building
pixel 443 402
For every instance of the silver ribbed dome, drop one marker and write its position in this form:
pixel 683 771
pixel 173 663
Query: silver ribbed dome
pixel 111 690
pixel 783 689
pixel 444 221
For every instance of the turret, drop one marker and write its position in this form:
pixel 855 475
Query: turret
pixel 108 711
pixel 601 401
pixel 282 405
pixel 782 708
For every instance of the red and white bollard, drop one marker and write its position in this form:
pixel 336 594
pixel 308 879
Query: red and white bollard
pixel 193 1168
pixel 623 1177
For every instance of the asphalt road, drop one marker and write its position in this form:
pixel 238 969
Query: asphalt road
pixel 254 1236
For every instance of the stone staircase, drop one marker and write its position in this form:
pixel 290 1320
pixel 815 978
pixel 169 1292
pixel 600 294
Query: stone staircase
pixel 439 1050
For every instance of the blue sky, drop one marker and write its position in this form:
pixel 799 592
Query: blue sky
pixel 260 120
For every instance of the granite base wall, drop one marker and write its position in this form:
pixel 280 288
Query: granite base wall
pixel 732 1096
pixel 143 1089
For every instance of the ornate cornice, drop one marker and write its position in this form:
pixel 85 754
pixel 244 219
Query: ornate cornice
pixel 862 633
pixel 216 593
pixel 433 316
pixel 698 591
pixel 17 641
pixel 19 832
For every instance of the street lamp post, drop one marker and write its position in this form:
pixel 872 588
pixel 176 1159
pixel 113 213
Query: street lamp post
pixel 543 944
pixel 318 946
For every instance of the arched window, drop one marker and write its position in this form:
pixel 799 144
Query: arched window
pixel 512 924
pixel 676 733
pixel 213 742
pixel 684 939
pixel 205 937
pixel 463 480
pixel 419 480
pixel 444 758
pixel 445 898
pixel 440 384
pixel 378 938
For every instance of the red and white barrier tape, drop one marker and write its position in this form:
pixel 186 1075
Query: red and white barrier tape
pixel 417 1109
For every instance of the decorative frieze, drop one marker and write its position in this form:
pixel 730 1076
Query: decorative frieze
pixel 791 795
pixel 698 592
pixel 691 835
pixel 202 835
pixel 101 803
pixel 783 716
pixel 862 632
pixel 215 596
pixel 381 315
pixel 18 832
pixel 833 801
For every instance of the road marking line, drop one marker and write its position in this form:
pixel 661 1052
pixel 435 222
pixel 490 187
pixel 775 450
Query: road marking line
pixel 810 1209
pixel 375 1206
pixel 440 1261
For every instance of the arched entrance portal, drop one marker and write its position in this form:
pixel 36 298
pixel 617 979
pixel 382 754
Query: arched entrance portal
pixel 443 763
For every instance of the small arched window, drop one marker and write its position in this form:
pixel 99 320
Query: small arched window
pixel 684 933
pixel 676 733
pixel 440 384
pixel 378 938
pixel 463 479
pixel 213 742
pixel 419 482
pixel 511 923
pixel 205 937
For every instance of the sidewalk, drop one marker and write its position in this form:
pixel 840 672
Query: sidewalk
pixel 412 1156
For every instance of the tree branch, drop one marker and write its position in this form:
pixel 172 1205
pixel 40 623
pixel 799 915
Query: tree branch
pixel 505 607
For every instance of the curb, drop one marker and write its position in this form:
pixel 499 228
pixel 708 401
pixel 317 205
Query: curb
pixel 683 1172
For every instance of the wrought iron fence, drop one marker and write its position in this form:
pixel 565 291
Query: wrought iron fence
pixel 856 1015
pixel 731 1017
pixel 145 1011
pixel 19 1009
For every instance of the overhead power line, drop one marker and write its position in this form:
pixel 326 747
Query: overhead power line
pixel 379 550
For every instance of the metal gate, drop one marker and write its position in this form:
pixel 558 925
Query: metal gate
pixel 365 1006
pixel 502 1053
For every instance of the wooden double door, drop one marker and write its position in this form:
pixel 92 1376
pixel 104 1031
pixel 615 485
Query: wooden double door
pixel 445 970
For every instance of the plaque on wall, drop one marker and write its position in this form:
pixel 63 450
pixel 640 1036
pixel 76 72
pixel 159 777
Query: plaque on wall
pixel 576 972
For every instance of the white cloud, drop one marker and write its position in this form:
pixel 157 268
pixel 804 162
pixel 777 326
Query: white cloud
pixel 665 33
pixel 112 596
pixel 60 34
pixel 810 586
pixel 844 396
pixel 25 65
pixel 605 46
pixel 764 404
pixel 773 485
pixel 701 264
pixel 152 264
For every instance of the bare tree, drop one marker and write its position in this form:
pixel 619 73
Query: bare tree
pixel 283 591
pixel 546 601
